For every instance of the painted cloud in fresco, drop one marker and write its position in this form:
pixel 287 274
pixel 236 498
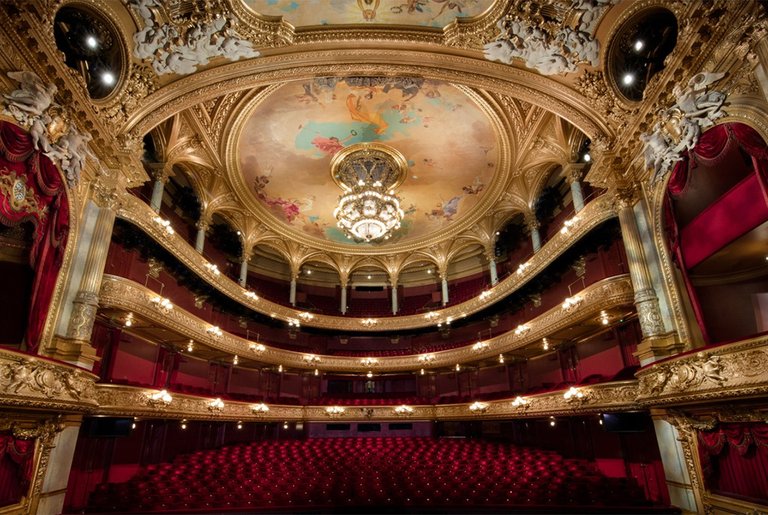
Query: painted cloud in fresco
pixel 430 13
pixel 287 144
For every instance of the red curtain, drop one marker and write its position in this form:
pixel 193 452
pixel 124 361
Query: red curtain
pixel 712 150
pixel 49 213
pixel 16 465
pixel 735 460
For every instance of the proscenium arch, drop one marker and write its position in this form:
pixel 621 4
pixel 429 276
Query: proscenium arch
pixel 453 66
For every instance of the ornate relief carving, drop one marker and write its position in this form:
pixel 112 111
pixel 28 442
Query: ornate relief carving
pixel 738 369
pixel 30 378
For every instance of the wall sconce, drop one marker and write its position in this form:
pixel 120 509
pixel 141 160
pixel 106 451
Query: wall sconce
pixel 426 358
pixel 214 269
pixel 520 403
pixel 165 225
pixel 575 395
pixel 161 399
pixel 128 320
pixel 235 360
pixel 403 410
pixel 190 345
pixel 485 294
pixel 369 362
pixel 571 303
pixel 368 322
pixel 479 407
pixel 568 224
pixel 480 346
pixel 260 409
pixel 251 295
pixel 216 405
pixel 522 268
pixel 215 331
pixel 292 322
pixel 522 329
pixel 311 359
pixel 306 316
pixel 334 411
pixel 256 347
pixel 162 304
pixel 431 315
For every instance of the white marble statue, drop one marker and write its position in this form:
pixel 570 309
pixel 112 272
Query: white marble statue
pixel 31 99
pixel 547 49
pixel 695 109
pixel 173 52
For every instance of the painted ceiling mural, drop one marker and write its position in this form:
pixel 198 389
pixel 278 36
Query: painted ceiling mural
pixel 287 143
pixel 428 13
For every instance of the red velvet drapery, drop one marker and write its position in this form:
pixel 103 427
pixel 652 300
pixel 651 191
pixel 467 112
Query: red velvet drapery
pixel 735 460
pixel 15 468
pixel 48 211
pixel 738 211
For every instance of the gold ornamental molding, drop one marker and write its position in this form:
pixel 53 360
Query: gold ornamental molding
pixel 37 383
pixel 117 292
pixel 737 370
pixel 133 401
pixel 140 214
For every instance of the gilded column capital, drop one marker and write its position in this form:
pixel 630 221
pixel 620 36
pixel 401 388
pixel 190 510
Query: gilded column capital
pixel 160 172
pixel 574 172
pixel 531 222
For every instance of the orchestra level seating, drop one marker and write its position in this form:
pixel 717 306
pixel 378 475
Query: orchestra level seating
pixel 404 475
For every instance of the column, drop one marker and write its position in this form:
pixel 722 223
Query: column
pixel 161 177
pixel 677 445
pixel 55 451
pixel 533 226
pixel 244 260
pixel 73 341
pixel 292 295
pixel 646 302
pixel 343 306
pixel 202 226
pixel 494 272
pixel 395 307
pixel 575 172
pixel 444 283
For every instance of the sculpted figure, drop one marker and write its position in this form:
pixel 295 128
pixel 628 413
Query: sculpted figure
pixel 32 98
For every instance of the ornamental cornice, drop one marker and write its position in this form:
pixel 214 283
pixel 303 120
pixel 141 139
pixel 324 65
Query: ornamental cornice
pixel 737 370
pixel 140 214
pixel 449 65
pixel 133 401
pixel 127 295
pixel 42 384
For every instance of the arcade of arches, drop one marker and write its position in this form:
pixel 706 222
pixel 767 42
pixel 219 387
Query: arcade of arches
pixel 383 255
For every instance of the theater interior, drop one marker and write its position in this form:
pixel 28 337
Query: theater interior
pixel 386 256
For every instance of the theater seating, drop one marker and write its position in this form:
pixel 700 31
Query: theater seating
pixel 368 472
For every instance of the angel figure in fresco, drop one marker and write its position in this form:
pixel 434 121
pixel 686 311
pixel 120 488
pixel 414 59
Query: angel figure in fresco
pixel 445 210
pixel 359 113
pixel 330 145
pixel 476 187
pixel 368 8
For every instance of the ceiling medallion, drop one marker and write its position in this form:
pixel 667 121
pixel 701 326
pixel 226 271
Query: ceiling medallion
pixel 369 173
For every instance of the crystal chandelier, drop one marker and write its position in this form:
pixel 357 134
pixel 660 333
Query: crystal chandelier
pixel 369 173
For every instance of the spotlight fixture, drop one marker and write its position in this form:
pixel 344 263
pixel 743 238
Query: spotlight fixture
pixel 639 45
pixel 251 295
pixel 215 331
pixel 628 79
pixel 91 42
pixel 108 78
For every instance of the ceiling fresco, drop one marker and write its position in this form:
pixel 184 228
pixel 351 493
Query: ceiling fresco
pixel 428 13
pixel 287 142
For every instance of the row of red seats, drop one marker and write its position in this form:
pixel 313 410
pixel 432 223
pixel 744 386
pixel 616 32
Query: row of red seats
pixel 361 472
